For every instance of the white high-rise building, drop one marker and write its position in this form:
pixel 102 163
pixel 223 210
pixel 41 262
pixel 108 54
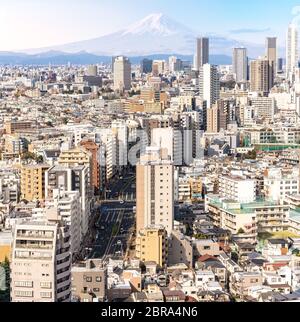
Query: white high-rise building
pixel 202 53
pixel 68 206
pixel 120 130
pixel 240 64
pixel 68 178
pixel 155 190
pixel 122 74
pixel 292 55
pixel 41 260
pixel 171 140
pixel 209 84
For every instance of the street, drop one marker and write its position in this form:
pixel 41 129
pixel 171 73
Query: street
pixel 123 189
pixel 113 230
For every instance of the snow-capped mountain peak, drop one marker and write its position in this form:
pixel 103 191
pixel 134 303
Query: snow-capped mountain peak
pixel 156 23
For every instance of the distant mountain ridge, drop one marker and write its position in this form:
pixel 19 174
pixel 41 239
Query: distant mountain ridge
pixel 83 58
pixel 154 34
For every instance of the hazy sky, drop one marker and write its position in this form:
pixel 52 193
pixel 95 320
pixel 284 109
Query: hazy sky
pixel 37 23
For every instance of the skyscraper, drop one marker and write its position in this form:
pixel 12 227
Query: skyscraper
pixel 209 84
pixel 292 49
pixel 259 76
pixel 240 64
pixel 155 190
pixel 202 53
pixel 146 66
pixel 122 73
pixel 271 47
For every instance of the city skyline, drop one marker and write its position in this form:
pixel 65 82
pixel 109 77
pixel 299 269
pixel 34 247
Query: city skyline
pixel 91 19
pixel 153 156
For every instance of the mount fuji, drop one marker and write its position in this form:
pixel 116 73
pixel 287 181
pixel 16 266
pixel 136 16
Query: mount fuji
pixel 155 34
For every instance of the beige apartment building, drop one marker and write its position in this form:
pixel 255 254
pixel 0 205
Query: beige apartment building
pixel 152 246
pixel 89 281
pixel 33 182
pixel 212 119
pixel 75 157
pixel 122 74
pixel 155 190
pixel 259 76
pixel 12 127
pixel 41 261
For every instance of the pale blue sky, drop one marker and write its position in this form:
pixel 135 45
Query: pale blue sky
pixel 38 23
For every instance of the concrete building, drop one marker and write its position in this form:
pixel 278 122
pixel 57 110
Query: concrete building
pixel 202 53
pixel 280 183
pixel 180 249
pixel 89 281
pixel 155 190
pixel 41 261
pixel 237 188
pixel 240 64
pixel 92 70
pixel 94 150
pixel 12 127
pixel 152 246
pixel 259 76
pixel 122 74
pixel 292 53
pixel 158 67
pixel 217 117
pixel 146 66
pixel 264 108
pixel 68 206
pixel 245 220
pixel 33 181
pixel 16 145
pixel 71 179
pixel 209 84
pixel 171 140
pixel 271 47
pixel 120 131
pixel 79 156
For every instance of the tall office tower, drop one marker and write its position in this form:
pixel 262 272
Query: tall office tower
pixel 240 64
pixel 92 70
pixel 259 76
pixel 280 65
pixel 122 74
pixel 33 182
pixel 41 261
pixel 271 44
pixel 155 190
pixel 146 66
pixel 209 84
pixel 202 53
pixel 71 179
pixel 292 49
